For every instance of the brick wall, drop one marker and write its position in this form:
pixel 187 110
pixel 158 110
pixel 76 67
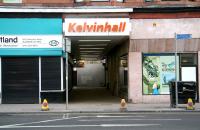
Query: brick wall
pixel 127 3
pixel 47 1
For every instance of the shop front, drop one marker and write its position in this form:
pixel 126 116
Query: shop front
pixel 31 59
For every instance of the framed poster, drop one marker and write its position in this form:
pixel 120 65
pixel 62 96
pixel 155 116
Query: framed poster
pixel 158 72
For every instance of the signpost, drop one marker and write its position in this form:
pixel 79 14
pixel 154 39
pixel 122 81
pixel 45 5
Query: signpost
pixel 67 50
pixel 178 37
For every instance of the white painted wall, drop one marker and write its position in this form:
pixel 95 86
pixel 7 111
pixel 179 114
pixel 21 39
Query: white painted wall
pixel 91 75
pixel 164 28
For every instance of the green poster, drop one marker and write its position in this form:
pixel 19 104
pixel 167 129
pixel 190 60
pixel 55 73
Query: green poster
pixel 12 1
pixel 158 72
pixel 167 73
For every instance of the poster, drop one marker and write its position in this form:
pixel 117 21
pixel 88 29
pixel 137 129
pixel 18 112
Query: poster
pixel 12 1
pixel 158 72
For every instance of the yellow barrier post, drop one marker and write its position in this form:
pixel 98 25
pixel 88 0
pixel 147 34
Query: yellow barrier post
pixel 45 106
pixel 123 105
pixel 190 105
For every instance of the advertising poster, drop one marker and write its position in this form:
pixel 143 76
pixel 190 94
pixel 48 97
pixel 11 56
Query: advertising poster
pixel 158 72
pixel 12 1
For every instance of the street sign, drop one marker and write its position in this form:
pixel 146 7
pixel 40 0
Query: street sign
pixel 179 37
pixel 183 36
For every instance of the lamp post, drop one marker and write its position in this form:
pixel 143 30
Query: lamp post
pixel 176 87
pixel 67 50
pixel 178 37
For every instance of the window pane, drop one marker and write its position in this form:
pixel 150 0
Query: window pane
pixel 188 59
pixel 158 72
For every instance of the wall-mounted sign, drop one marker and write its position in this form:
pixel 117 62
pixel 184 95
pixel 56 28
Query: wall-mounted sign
pixel 12 1
pixel 30 41
pixel 96 27
pixel 183 36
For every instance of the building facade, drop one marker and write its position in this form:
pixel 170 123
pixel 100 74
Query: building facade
pixel 137 53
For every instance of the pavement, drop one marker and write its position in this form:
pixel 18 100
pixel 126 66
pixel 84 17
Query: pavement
pixel 93 108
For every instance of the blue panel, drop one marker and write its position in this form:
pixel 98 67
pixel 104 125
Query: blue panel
pixel 183 36
pixel 30 26
pixel 31 52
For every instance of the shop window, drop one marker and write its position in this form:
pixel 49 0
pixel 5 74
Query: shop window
pixel 11 1
pixel 188 66
pixel 148 0
pixel 51 73
pixel 188 59
pixel 158 72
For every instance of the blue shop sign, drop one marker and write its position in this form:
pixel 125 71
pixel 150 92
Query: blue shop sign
pixel 30 26
pixel 31 37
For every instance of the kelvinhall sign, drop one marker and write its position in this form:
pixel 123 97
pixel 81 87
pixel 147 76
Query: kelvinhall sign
pixel 96 26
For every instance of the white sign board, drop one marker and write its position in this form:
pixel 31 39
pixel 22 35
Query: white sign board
pixel 96 27
pixel 31 41
pixel 188 74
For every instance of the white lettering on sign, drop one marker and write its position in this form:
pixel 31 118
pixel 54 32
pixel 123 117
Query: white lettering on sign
pixel 96 27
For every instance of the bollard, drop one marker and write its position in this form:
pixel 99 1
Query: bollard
pixel 123 105
pixel 45 106
pixel 190 105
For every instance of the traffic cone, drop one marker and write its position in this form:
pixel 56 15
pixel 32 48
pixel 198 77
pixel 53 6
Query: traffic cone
pixel 123 105
pixel 45 106
pixel 190 105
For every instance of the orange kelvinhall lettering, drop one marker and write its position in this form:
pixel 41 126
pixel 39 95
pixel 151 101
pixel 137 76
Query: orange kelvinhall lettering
pixel 74 27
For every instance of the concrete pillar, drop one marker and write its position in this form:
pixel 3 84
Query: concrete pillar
pixel 135 77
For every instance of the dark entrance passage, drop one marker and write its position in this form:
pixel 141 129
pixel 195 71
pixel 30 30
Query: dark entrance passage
pixel 92 95
pixel 99 69
pixel 20 80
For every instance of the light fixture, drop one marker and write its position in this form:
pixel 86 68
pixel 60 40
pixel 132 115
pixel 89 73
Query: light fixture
pixel 74 69
pixel 90 51
pixel 85 53
pixel 89 55
pixel 97 40
pixel 91 48
pixel 91 45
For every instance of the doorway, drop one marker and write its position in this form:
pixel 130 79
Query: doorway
pixel 20 80
pixel 96 69
pixel 189 69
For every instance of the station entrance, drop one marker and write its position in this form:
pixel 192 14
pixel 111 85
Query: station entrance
pixel 98 58
pixel 98 70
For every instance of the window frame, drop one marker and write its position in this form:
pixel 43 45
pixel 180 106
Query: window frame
pixel 155 54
